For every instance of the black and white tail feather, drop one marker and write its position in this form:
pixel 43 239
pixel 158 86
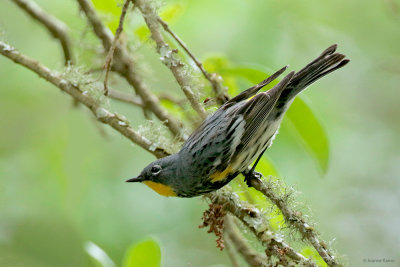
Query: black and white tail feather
pixel 326 63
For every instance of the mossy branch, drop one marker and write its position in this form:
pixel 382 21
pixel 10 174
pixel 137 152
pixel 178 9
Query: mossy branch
pixel 169 57
pixel 214 79
pixel 101 113
pixel 125 65
pixel 296 220
pixel 232 232
pixel 258 224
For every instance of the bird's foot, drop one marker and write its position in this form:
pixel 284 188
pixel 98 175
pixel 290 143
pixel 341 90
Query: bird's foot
pixel 251 175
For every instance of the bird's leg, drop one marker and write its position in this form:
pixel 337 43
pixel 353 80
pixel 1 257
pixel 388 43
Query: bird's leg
pixel 252 174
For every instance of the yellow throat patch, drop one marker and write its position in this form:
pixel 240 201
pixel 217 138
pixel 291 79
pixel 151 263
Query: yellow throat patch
pixel 161 189
pixel 218 176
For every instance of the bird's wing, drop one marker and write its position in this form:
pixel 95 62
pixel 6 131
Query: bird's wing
pixel 256 110
pixel 212 146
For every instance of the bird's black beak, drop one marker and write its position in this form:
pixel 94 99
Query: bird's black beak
pixel 135 179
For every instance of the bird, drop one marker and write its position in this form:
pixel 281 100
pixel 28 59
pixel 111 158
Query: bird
pixel 237 134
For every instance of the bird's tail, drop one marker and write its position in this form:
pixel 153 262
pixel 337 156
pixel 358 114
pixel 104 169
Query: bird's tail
pixel 327 62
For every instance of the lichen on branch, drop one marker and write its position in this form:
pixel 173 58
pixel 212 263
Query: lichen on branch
pixel 153 137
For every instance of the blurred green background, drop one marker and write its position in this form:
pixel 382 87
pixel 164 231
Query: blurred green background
pixel 62 181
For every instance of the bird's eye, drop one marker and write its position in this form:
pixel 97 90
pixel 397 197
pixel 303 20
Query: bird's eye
pixel 155 169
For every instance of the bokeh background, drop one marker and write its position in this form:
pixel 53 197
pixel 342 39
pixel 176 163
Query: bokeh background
pixel 62 178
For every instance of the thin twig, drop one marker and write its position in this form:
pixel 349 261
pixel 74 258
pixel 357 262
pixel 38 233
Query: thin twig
pixel 230 251
pixel 214 79
pixel 102 114
pixel 168 56
pixel 295 219
pixel 125 66
pixel 242 247
pixel 109 58
pixel 55 26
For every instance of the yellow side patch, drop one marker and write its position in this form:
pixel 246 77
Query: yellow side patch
pixel 218 176
pixel 248 99
pixel 162 189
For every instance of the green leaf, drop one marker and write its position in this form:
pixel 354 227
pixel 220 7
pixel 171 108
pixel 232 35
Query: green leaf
pixel 145 253
pixel 219 64
pixel 277 221
pixel 171 13
pixel 310 252
pixel 231 72
pixel 143 33
pixel 172 107
pixel 216 63
pixel 312 135
pixel 112 8
pixel 108 6
pixel 253 75
pixel 266 167
pixel 98 255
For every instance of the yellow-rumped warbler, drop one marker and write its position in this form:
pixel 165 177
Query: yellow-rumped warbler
pixel 238 133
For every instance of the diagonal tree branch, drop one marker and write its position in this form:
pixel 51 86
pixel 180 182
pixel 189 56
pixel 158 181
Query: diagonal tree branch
pixel 168 56
pixel 256 223
pixel 242 247
pixel 230 251
pixel 56 27
pixel 214 79
pixel 102 114
pixel 125 66
pixel 295 219
pixel 101 31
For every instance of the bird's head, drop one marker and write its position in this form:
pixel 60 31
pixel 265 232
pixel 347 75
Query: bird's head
pixel 159 176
